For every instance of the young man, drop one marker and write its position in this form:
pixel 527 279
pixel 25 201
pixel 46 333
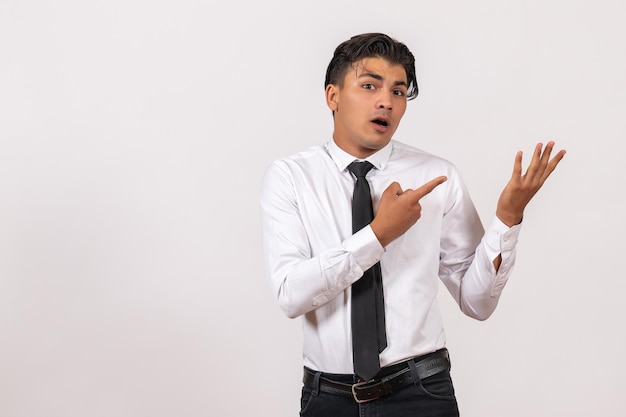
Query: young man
pixel 425 229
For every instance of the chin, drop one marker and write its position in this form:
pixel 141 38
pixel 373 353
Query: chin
pixel 377 144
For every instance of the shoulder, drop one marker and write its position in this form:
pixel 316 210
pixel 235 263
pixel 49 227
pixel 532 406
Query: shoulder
pixel 303 163
pixel 306 157
pixel 412 155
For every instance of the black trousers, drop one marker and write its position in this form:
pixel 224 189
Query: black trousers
pixel 430 397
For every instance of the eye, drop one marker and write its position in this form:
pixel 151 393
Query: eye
pixel 399 93
pixel 369 86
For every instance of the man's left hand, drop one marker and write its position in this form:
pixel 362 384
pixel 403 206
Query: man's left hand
pixel 522 188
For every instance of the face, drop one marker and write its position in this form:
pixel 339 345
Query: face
pixel 369 106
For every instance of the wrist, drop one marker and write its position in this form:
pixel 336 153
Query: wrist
pixel 509 218
pixel 382 238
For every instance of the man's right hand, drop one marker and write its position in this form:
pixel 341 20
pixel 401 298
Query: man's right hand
pixel 399 210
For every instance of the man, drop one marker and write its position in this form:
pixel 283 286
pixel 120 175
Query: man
pixel 425 228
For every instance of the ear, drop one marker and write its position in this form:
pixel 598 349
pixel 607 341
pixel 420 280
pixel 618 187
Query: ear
pixel 332 97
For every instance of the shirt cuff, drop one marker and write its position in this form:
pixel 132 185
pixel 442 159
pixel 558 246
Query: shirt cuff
pixel 500 238
pixel 364 247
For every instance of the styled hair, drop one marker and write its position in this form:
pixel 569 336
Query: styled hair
pixel 371 45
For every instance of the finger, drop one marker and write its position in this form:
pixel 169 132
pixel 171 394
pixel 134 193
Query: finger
pixel 535 162
pixel 546 153
pixel 393 189
pixel 552 164
pixel 517 165
pixel 545 157
pixel 428 187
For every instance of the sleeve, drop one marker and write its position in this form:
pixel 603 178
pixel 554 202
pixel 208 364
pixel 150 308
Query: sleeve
pixel 467 255
pixel 302 280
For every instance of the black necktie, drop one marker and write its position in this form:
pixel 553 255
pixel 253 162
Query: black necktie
pixel 368 309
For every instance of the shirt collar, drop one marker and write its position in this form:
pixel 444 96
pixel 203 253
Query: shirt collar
pixel 342 158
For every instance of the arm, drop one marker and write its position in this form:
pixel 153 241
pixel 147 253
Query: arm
pixel 466 253
pixel 306 274
pixel 480 288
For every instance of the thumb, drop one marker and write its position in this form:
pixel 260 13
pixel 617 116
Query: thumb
pixel 394 189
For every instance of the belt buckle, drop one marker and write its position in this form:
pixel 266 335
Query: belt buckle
pixel 354 395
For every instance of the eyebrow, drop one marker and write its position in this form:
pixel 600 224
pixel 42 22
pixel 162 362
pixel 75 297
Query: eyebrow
pixel 380 78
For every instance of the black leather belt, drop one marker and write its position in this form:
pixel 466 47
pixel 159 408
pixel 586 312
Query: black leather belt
pixel 374 389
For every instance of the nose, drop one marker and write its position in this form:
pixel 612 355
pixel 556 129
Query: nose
pixel 384 100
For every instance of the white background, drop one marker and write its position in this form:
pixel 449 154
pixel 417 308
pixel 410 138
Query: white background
pixel 133 135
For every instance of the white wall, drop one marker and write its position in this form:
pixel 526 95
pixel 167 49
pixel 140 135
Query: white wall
pixel 132 139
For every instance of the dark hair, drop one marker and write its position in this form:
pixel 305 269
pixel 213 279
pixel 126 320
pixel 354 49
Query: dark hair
pixel 369 45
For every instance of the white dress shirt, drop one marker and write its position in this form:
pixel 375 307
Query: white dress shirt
pixel 313 258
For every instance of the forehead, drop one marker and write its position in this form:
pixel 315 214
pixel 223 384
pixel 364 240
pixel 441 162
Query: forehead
pixel 377 66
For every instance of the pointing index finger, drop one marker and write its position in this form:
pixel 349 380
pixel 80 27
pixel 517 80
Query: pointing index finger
pixel 429 186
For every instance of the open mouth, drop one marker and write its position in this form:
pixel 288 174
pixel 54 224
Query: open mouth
pixel 381 122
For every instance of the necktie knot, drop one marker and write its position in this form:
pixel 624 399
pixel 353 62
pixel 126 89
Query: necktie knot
pixel 360 169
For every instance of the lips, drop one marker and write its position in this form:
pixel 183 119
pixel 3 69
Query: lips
pixel 381 124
